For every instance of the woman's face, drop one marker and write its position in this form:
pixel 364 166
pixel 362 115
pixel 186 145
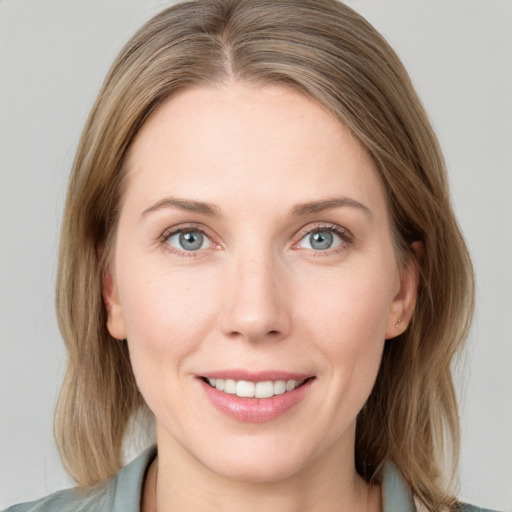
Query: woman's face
pixel 254 249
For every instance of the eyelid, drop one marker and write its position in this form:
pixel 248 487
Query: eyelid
pixel 180 228
pixel 345 235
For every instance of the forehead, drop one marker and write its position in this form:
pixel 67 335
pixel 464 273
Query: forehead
pixel 238 141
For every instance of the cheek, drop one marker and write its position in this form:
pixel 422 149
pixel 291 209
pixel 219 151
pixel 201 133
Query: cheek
pixel 347 315
pixel 166 319
pixel 351 299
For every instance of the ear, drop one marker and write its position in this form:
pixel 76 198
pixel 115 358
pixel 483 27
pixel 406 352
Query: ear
pixel 402 307
pixel 115 319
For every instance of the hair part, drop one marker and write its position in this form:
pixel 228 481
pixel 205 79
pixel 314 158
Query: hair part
pixel 328 52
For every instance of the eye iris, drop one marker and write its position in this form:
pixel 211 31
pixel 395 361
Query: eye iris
pixel 191 240
pixel 321 240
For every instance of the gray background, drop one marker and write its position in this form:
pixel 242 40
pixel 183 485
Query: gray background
pixel 53 56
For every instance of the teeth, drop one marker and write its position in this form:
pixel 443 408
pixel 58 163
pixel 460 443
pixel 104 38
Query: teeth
pixel 264 389
pixel 291 384
pixel 229 386
pixel 279 387
pixel 246 389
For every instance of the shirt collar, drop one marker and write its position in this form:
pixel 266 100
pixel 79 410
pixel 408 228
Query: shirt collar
pixel 396 494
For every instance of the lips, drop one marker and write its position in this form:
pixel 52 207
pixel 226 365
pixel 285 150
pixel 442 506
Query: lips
pixel 255 398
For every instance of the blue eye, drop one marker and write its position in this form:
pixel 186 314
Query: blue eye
pixel 190 240
pixel 321 240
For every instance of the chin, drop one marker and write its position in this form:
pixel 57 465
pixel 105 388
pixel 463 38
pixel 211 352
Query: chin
pixel 262 459
pixel 259 470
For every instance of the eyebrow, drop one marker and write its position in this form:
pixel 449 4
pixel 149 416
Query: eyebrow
pixel 328 204
pixel 188 205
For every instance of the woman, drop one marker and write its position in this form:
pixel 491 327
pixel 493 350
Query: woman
pixel 259 218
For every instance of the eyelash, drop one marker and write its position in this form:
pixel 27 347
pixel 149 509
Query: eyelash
pixel 345 235
pixel 164 238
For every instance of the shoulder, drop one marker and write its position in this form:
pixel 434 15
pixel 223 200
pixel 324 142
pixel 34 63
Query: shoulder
pixel 464 507
pixel 397 495
pixel 70 500
pixel 120 494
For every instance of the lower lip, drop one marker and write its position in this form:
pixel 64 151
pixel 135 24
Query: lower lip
pixel 255 410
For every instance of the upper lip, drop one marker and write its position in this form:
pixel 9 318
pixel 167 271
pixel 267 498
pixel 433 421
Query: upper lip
pixel 259 376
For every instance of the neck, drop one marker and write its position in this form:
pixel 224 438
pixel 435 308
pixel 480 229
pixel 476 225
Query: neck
pixel 174 483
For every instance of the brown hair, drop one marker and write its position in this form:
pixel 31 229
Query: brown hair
pixel 325 50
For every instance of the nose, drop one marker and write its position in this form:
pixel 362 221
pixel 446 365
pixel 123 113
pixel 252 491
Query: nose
pixel 256 305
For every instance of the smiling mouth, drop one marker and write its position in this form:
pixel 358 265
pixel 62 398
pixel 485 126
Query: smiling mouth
pixel 248 389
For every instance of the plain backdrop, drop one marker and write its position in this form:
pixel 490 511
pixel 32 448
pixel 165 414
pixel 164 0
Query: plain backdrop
pixel 53 57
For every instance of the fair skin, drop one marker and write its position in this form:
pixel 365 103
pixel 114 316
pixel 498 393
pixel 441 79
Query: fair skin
pixel 254 243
